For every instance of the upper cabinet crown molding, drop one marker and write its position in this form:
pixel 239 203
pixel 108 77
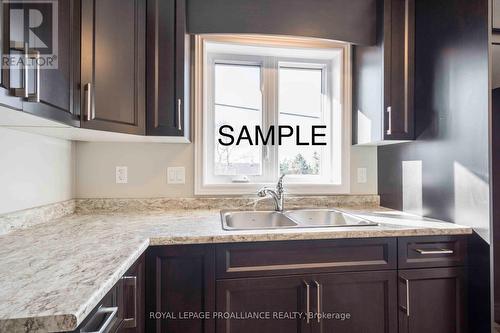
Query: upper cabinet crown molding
pixel 383 78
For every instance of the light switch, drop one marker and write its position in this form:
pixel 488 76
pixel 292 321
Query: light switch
pixel 176 175
pixel 121 175
pixel 362 178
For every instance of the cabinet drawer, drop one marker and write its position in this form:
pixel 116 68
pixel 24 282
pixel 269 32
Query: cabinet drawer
pixel 439 251
pixel 296 257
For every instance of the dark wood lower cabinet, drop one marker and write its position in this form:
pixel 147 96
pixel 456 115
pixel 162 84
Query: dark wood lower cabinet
pixel 132 298
pixel 341 302
pixel 356 302
pixel 432 300
pixel 266 298
pixel 181 281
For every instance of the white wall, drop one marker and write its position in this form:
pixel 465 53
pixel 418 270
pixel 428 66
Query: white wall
pixel 147 169
pixel 35 170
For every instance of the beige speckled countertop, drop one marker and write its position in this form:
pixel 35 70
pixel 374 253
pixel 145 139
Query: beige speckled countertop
pixel 53 274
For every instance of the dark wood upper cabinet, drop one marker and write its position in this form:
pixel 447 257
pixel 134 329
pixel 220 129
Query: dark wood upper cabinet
pixel 180 279
pixel 383 78
pixel 113 65
pixel 47 87
pixel 167 69
pixel 55 92
pixel 432 300
pixel 7 98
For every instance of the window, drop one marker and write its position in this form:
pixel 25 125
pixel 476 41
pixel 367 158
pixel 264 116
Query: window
pixel 250 87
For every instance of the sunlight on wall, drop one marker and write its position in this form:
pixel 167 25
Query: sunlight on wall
pixel 364 131
pixel 471 200
pixel 412 187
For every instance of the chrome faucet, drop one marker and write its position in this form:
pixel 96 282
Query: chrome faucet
pixel 278 194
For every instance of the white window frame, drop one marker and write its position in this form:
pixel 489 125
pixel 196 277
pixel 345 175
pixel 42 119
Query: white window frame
pixel 202 101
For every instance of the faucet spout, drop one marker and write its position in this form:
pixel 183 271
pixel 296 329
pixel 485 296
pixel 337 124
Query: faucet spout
pixel 278 194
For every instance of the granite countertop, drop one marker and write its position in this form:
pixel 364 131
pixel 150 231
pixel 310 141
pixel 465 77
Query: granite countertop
pixel 53 274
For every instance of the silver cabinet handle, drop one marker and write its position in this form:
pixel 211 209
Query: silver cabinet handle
pixel 88 102
pixel 308 304
pixel 179 112
pixel 133 279
pixel 407 282
pixel 318 300
pixel 23 91
pixel 35 97
pixel 434 251
pixel 389 120
pixel 105 325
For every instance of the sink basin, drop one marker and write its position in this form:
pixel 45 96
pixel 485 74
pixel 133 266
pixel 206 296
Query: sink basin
pixel 326 218
pixel 249 220
pixel 301 218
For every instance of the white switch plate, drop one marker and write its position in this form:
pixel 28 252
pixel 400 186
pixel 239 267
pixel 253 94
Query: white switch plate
pixel 362 177
pixel 121 175
pixel 176 175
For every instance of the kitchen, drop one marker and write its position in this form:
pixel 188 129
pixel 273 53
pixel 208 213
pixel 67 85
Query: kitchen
pixel 242 166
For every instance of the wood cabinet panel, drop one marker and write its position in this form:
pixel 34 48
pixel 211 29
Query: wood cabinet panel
pixel 383 78
pixel 113 65
pixel 438 251
pixel 133 298
pixel 59 95
pixel 279 258
pixel 369 299
pixel 180 278
pixel 264 296
pixel 432 300
pixel 399 69
pixel 167 68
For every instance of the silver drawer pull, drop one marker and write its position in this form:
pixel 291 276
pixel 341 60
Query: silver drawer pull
pixel 389 120
pixel 318 300
pixel 35 97
pixel 308 304
pixel 105 325
pixel 179 116
pixel 132 321
pixel 407 297
pixel 434 251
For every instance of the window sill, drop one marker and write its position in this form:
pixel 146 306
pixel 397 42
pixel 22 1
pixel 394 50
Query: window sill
pixel 249 189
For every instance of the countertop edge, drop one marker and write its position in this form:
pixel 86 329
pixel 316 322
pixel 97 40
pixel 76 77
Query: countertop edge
pixel 70 321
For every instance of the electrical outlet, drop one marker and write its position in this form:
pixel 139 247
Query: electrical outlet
pixel 121 175
pixel 362 177
pixel 176 175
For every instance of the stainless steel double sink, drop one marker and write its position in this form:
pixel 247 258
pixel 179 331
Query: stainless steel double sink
pixel 300 218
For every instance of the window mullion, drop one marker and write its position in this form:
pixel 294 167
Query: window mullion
pixel 272 114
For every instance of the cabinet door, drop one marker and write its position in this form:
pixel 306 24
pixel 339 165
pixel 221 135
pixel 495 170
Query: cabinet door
pixel 12 30
pixel 356 302
pixel 432 300
pixel 132 310
pixel 113 65
pixel 264 296
pixel 179 279
pixel 399 48
pixel 167 90
pixel 54 91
